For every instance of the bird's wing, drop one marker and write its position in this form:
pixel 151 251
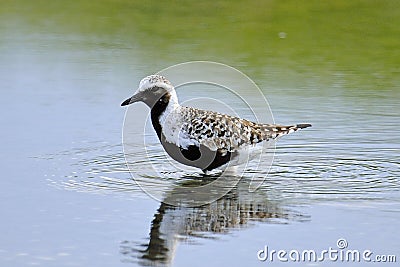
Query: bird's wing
pixel 220 131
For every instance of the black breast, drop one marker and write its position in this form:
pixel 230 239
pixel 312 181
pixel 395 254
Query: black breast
pixel 195 156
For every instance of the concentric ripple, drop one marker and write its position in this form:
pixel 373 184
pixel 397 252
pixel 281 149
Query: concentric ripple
pixel 300 174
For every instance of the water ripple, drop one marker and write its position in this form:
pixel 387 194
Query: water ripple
pixel 300 173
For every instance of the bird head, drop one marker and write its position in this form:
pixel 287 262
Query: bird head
pixel 152 89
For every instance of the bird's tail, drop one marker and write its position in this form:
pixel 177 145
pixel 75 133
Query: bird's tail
pixel 275 131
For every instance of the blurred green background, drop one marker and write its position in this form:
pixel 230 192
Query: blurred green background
pixel 292 43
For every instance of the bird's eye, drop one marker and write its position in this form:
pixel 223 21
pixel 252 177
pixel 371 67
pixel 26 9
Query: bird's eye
pixel 155 89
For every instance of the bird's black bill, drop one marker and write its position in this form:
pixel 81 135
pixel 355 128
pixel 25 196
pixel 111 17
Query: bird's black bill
pixel 135 98
pixel 303 125
pixel 126 102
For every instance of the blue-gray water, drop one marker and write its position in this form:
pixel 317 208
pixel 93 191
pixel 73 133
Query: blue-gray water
pixel 67 198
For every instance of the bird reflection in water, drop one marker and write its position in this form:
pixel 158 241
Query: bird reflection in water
pixel 172 224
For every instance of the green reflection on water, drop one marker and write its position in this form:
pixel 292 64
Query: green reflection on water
pixel 351 43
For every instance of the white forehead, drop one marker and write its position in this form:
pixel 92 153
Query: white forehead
pixel 154 80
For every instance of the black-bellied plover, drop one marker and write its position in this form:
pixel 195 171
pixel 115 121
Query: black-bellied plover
pixel 204 139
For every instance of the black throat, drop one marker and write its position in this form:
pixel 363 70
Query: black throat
pixel 157 110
